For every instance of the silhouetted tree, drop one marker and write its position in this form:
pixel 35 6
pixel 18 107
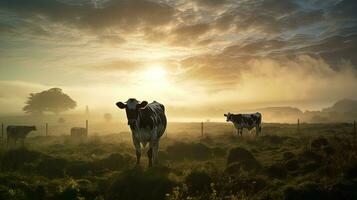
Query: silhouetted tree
pixel 108 117
pixel 52 100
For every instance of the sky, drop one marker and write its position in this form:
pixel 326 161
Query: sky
pixel 197 57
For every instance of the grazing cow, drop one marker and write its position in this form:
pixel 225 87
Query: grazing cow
pixel 147 123
pixel 78 132
pixel 15 133
pixel 248 121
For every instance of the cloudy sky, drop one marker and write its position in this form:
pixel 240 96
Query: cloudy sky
pixel 198 57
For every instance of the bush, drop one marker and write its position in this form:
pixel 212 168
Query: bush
pixel 80 168
pixel 351 171
pixel 276 171
pixel 244 158
pixel 16 159
pixel 319 143
pixel 292 165
pixel 288 155
pixel 219 152
pixel 310 156
pixel 328 150
pixel 136 184
pixel 52 167
pixel 193 151
pixel 9 193
pixel 307 191
pixel 273 139
pixel 239 154
pixel 114 161
pixel 198 182
pixel 344 190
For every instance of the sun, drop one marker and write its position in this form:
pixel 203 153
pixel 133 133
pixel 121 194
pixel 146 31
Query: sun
pixel 155 73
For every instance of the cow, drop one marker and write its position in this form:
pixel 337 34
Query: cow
pixel 147 123
pixel 78 132
pixel 248 121
pixel 15 133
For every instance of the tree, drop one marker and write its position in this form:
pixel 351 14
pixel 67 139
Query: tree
pixel 108 117
pixel 52 100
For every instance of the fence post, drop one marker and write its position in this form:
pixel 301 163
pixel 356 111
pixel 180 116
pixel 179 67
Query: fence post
pixel 354 128
pixel 46 129
pixel 201 129
pixel 87 126
pixel 298 125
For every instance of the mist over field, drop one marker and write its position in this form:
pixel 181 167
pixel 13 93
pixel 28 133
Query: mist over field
pixel 178 99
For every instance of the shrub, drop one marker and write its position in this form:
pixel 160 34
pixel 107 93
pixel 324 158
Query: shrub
pixel 319 143
pixel 310 156
pixel 136 184
pixel 114 161
pixel 273 139
pixel 351 171
pixel 328 150
pixel 343 190
pixel 80 168
pixel 16 159
pixel 276 171
pixel 307 191
pixel 198 182
pixel 52 167
pixel 244 158
pixel 239 154
pixel 193 151
pixel 9 193
pixel 288 155
pixel 292 165
pixel 219 152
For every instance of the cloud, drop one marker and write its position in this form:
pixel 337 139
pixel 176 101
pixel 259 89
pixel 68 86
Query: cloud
pixel 264 80
pixel 185 35
pixel 127 15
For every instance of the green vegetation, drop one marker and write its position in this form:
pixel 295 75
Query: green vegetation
pixel 320 162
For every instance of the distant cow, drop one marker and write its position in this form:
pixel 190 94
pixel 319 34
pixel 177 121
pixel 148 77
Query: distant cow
pixel 15 133
pixel 248 121
pixel 78 132
pixel 147 123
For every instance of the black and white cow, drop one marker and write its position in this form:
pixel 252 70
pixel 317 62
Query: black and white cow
pixel 15 133
pixel 248 121
pixel 147 123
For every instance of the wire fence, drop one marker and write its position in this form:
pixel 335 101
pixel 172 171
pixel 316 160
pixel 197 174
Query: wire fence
pixel 199 129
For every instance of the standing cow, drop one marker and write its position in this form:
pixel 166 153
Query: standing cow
pixel 248 121
pixel 147 123
pixel 15 133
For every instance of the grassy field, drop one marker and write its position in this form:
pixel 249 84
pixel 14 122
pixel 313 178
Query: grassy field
pixel 319 162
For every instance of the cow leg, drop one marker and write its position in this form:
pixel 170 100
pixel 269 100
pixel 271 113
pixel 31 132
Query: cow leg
pixel 154 145
pixel 150 156
pixel 241 132
pixel 155 153
pixel 137 150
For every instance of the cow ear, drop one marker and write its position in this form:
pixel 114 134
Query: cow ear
pixel 143 104
pixel 121 105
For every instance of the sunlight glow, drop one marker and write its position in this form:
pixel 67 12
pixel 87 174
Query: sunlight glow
pixel 155 73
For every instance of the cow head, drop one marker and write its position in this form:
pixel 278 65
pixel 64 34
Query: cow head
pixel 228 116
pixel 132 107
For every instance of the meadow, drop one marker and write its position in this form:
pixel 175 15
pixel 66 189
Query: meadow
pixel 317 162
